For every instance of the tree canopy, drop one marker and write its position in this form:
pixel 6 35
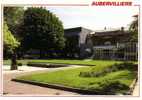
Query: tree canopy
pixel 42 30
pixel 13 17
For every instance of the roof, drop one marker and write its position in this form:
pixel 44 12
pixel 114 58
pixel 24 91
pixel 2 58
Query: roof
pixel 74 31
pixel 110 33
pixel 74 28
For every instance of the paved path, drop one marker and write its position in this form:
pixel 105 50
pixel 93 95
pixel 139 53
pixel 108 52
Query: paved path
pixel 136 90
pixel 12 88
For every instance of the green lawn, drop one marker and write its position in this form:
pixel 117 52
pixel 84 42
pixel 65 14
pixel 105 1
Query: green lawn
pixel 71 78
pixel 62 61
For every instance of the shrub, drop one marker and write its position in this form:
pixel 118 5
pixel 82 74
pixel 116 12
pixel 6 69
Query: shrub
pixel 112 68
pixel 126 65
pixel 19 64
pixel 108 87
pixel 46 65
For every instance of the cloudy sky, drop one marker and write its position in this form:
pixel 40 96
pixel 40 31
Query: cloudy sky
pixel 95 18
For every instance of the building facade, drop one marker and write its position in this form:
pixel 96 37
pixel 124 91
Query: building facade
pixel 76 42
pixel 103 44
pixel 114 44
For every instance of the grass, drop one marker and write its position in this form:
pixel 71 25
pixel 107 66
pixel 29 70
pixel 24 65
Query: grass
pixel 62 61
pixel 71 78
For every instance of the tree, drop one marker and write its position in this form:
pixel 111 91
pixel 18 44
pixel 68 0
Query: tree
pixel 42 30
pixel 14 17
pixel 134 29
pixel 71 48
pixel 10 45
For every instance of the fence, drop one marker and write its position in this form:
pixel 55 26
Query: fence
pixel 120 51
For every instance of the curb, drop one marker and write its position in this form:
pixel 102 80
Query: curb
pixel 55 86
pixel 65 88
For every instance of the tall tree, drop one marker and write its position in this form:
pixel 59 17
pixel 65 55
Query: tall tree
pixel 42 30
pixel 14 17
pixel 10 45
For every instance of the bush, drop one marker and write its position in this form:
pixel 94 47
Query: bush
pixel 127 65
pixel 112 68
pixel 46 65
pixel 20 64
pixel 109 87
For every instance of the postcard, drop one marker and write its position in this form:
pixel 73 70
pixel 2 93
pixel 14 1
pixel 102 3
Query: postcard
pixel 71 49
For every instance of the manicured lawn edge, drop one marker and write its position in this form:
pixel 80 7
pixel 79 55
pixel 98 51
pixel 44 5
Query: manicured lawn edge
pixel 66 88
pixel 51 63
pixel 55 86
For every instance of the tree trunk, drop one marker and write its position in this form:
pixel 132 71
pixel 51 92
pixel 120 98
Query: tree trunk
pixel 13 61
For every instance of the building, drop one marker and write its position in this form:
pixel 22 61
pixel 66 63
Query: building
pixel 103 44
pixel 113 44
pixel 76 42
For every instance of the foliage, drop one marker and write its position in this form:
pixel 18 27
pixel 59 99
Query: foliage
pixel 46 65
pixel 19 64
pixel 14 17
pixel 71 47
pixel 108 87
pixel 43 28
pixel 10 45
pixel 10 42
pixel 112 68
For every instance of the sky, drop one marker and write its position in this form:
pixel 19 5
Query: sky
pixel 95 18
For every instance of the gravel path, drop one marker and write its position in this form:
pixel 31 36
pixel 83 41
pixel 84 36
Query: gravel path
pixel 11 88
